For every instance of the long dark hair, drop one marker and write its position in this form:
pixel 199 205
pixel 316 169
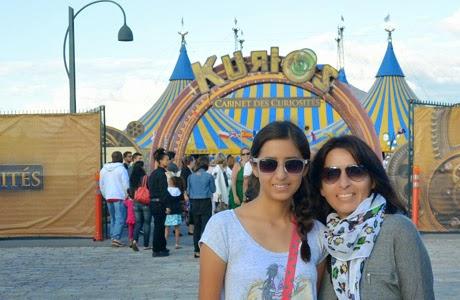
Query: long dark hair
pixel 202 163
pixel 159 154
pixel 363 155
pixel 137 174
pixel 305 213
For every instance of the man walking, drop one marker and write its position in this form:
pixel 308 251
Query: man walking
pixel 114 184
pixel 127 159
pixel 136 157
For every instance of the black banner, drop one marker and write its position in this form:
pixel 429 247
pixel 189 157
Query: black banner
pixel 21 177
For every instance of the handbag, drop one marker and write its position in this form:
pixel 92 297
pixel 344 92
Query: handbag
pixel 142 194
pixel 220 205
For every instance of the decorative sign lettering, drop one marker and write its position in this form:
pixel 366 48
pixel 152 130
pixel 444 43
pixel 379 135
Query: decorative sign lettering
pixel 299 66
pixel 266 102
pixel 21 177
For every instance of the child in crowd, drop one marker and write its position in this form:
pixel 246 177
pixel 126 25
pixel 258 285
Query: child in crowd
pixel 130 220
pixel 174 207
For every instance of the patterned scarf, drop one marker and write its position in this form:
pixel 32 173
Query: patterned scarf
pixel 350 241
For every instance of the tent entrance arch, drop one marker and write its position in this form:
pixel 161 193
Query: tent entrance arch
pixel 191 104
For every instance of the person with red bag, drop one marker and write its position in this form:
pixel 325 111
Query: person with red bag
pixel 267 248
pixel 142 210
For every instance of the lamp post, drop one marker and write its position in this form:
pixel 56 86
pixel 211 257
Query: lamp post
pixel 124 35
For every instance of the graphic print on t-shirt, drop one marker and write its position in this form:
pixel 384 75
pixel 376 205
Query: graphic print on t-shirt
pixel 271 288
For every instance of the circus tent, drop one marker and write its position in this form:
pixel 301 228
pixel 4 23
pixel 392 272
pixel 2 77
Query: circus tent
pixel 181 76
pixel 214 132
pixel 387 102
pixel 323 121
pixel 228 129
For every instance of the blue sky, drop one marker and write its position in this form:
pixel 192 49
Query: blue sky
pixel 129 77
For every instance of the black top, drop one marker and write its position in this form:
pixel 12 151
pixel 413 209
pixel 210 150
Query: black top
pixel 184 174
pixel 158 185
pixel 174 203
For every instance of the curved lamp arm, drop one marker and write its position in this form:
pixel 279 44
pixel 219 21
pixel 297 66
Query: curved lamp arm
pixel 67 32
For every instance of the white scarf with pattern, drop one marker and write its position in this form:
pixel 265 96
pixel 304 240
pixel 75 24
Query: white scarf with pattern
pixel 350 241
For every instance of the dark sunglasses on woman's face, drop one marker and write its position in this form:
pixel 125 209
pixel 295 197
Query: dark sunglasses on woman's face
pixel 291 166
pixel 330 175
pixel 245 153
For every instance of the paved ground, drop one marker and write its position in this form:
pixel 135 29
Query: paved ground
pixel 82 269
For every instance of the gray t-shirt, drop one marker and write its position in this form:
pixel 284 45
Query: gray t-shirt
pixel 254 272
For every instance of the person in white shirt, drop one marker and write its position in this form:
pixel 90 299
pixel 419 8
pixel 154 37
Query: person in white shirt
pixel 267 249
pixel 221 179
pixel 114 185
pixel 247 172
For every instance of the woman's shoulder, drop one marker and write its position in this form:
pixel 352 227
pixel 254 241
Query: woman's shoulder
pixel 400 228
pixel 223 217
pixel 219 226
pixel 317 227
pixel 398 222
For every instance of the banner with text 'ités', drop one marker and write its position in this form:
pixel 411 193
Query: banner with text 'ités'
pixel 48 164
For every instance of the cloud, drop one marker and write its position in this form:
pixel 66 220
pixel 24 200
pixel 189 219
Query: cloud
pixel 452 23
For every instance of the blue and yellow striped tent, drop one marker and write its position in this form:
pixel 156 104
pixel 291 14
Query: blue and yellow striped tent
pixel 180 78
pixel 321 120
pixel 387 102
pixel 214 132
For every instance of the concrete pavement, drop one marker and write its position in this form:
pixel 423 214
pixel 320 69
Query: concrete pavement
pixel 82 269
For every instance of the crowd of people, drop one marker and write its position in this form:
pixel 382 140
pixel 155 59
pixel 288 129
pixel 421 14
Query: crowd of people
pixel 274 222
pixel 191 194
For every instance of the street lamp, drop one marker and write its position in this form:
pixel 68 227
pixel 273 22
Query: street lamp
pixel 124 35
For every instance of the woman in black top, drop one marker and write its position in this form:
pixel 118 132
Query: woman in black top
pixel 158 186
pixel 142 211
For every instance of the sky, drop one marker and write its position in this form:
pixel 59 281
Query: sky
pixel 128 77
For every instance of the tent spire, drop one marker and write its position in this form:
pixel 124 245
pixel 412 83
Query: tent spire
pixel 183 33
pixel 340 48
pixel 389 27
pixel 236 35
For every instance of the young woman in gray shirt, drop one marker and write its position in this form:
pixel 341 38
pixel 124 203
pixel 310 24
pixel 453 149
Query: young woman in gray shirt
pixel 267 248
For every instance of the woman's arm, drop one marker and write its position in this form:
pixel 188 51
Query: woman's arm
pixel 212 273
pixel 320 271
pixel 413 264
pixel 236 169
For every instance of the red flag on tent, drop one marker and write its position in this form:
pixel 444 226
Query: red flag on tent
pixel 224 134
pixel 246 134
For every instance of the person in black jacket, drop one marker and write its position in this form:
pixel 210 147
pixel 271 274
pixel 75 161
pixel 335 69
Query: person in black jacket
pixel 158 187
pixel 174 207
pixel 188 163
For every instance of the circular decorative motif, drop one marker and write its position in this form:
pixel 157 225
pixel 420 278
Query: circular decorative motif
pixel 299 66
pixel 398 172
pixel 135 128
pixel 444 192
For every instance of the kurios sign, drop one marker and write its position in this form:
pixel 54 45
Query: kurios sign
pixel 298 66
pixel 21 177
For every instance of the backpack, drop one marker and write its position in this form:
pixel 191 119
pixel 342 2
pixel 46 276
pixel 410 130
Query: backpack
pixel 142 194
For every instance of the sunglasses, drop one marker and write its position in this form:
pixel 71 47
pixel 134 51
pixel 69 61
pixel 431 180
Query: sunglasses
pixel 291 166
pixel 246 153
pixel 331 175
